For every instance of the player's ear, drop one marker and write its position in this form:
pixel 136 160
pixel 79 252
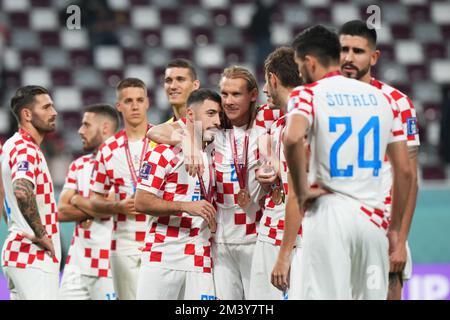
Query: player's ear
pixel 196 84
pixel 26 114
pixel 190 114
pixel 374 57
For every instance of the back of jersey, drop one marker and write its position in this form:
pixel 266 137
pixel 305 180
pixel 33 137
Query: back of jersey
pixel 351 125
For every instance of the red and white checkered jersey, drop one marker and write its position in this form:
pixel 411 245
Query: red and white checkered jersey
pixel 23 159
pixel 235 225
pixel 111 170
pixel 271 227
pixel 180 241
pixel 89 249
pixel 409 122
pixel 351 124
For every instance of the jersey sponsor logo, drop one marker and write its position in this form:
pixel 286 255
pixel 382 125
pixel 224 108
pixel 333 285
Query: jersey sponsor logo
pixel 411 124
pixel 145 170
pixel 23 166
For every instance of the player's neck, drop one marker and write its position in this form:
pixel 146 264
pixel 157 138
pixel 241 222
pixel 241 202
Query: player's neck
pixel 179 111
pixel 35 134
pixel 366 78
pixel 136 132
pixel 285 99
pixel 324 71
pixel 244 120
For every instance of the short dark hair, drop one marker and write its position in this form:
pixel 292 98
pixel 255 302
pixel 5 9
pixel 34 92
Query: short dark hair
pixel 200 95
pixel 359 28
pixel 25 97
pixel 281 63
pixel 183 63
pixel 319 42
pixel 105 110
pixel 130 83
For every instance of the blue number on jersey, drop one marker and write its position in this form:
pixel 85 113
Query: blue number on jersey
pixel 346 121
pixel 233 173
pixel 375 163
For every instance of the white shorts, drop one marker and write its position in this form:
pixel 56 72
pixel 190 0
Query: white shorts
pixel 156 283
pixel 232 268
pixel 76 286
pixel 264 258
pixel 294 276
pixel 125 272
pixel 343 255
pixel 407 272
pixel 31 284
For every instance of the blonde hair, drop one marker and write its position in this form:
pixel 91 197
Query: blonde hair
pixel 236 72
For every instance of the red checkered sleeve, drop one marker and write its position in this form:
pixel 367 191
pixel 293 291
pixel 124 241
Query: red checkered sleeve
pixel 24 162
pixel 100 179
pixel 71 179
pixel 152 177
pixel 266 116
pixel 408 119
pixel 301 102
pixel 397 133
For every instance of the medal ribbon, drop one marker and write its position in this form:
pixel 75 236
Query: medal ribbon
pixel 207 195
pixel 130 161
pixel 241 171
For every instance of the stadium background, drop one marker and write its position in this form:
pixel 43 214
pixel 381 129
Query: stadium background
pixel 122 38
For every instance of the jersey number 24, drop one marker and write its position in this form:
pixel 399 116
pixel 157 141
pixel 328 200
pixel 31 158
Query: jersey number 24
pixel 372 125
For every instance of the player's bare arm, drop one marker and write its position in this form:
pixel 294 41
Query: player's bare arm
pixel 166 133
pixel 292 222
pixel 24 193
pixel 67 211
pixel 172 134
pixel 399 256
pixel 150 204
pixel 297 160
pixel 104 207
pixel 402 176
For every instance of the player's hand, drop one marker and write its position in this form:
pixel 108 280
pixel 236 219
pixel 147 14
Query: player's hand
pixel 310 196
pixel 44 242
pixel 281 272
pixel 266 176
pixel 397 259
pixel 126 206
pixel 395 252
pixel 203 209
pixel 194 164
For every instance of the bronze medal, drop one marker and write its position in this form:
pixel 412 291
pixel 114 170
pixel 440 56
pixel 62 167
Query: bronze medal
pixel 243 198
pixel 277 195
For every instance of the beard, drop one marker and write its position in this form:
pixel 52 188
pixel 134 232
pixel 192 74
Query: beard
pixel 94 143
pixel 359 73
pixel 43 126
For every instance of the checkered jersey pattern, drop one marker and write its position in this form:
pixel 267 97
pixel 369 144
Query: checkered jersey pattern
pixel 338 98
pixel 235 225
pixel 180 241
pixel 265 117
pixel 23 159
pixel 271 227
pixel 90 247
pixel 111 171
pixel 409 122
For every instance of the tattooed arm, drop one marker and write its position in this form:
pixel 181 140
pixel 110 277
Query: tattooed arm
pixel 26 200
